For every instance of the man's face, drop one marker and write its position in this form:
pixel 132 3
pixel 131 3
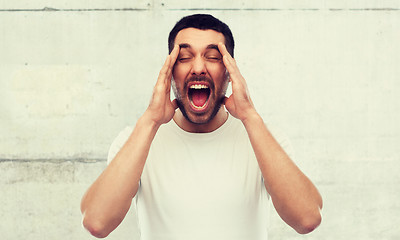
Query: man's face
pixel 200 79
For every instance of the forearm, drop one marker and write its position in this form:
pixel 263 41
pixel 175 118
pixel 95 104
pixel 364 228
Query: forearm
pixel 107 201
pixel 295 198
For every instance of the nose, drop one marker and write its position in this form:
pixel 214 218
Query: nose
pixel 198 66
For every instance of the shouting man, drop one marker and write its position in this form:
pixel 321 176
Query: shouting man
pixel 203 166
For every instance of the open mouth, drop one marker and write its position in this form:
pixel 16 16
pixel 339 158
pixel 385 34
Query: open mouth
pixel 199 94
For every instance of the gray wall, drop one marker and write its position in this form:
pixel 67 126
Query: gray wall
pixel 74 73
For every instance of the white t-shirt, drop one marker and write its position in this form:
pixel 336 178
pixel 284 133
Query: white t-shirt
pixel 201 185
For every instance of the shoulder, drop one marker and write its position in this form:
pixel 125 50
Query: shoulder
pixel 163 133
pixel 118 142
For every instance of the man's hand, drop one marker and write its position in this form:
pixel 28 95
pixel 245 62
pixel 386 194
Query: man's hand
pixel 239 104
pixel 282 178
pixel 103 210
pixel 161 109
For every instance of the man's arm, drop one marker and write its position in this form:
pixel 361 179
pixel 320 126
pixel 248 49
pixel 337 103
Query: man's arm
pixel 295 198
pixel 107 201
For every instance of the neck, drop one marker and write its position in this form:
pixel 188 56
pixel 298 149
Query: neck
pixel 219 119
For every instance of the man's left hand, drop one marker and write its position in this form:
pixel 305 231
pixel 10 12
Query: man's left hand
pixel 239 103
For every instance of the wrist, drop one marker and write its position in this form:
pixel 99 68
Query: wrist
pixel 252 118
pixel 147 121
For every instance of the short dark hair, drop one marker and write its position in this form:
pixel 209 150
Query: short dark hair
pixel 202 22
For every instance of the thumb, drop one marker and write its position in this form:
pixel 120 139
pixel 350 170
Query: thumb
pixel 230 106
pixel 225 99
pixel 174 104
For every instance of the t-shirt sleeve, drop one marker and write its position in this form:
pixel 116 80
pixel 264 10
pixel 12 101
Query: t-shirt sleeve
pixel 118 142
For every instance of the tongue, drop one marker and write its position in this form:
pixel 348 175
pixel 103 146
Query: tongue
pixel 199 97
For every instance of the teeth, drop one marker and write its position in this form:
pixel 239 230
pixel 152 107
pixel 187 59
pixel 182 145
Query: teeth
pixel 198 108
pixel 198 86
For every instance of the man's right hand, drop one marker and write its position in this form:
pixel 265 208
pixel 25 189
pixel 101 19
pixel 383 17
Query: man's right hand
pixel 107 201
pixel 161 109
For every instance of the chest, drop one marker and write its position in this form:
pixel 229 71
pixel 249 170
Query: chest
pixel 211 175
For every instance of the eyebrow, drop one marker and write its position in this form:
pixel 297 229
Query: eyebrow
pixel 184 45
pixel 213 46
pixel 210 46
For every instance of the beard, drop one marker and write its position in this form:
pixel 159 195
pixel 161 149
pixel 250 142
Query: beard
pixel 215 100
pixel 214 112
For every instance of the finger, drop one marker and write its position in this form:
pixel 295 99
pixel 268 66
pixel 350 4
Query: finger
pixel 173 56
pixel 234 74
pixel 227 59
pixel 228 64
pixel 223 50
pixel 226 54
pixel 164 70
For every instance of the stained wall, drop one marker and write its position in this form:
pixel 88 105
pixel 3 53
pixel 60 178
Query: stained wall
pixel 74 73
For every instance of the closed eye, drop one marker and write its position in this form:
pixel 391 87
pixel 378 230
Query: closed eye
pixel 213 58
pixel 213 55
pixel 184 58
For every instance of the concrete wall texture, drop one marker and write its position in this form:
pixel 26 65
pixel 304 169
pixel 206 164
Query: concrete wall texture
pixel 74 73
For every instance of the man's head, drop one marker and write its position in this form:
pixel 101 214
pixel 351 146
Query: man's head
pixel 200 78
pixel 202 22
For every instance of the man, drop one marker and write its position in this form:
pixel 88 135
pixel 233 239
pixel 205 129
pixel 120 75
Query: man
pixel 200 172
